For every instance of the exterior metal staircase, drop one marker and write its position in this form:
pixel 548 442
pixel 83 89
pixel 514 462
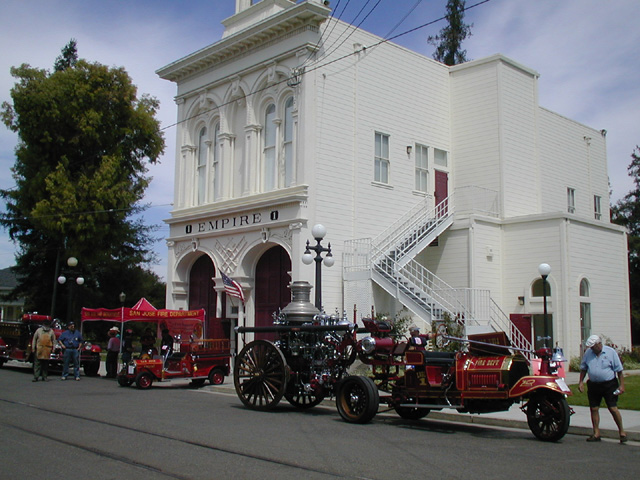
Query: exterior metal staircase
pixel 389 261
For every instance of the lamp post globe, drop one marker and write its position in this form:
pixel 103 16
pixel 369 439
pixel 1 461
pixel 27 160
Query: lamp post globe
pixel 544 269
pixel 72 261
pixel 318 231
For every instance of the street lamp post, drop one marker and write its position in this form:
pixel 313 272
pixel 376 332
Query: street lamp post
pixel 318 232
pixel 122 297
pixel 544 269
pixel 72 262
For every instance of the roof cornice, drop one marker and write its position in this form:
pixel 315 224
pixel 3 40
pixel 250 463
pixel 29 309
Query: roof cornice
pixel 300 15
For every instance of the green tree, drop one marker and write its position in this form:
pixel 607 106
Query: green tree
pixel 85 139
pixel 448 42
pixel 627 213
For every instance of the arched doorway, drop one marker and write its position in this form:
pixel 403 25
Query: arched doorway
pixel 203 295
pixel 272 286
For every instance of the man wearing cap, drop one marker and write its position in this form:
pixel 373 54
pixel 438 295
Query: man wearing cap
pixel 71 342
pixel 44 340
pixel 113 349
pixel 602 364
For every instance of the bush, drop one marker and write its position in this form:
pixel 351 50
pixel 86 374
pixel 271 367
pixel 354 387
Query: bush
pixel 574 364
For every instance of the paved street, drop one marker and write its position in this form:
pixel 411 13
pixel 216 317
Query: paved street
pixel 96 429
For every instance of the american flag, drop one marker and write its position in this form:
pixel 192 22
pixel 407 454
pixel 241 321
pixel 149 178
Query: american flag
pixel 232 287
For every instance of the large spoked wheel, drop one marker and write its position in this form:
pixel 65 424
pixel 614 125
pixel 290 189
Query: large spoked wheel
pixel 357 399
pixel 303 400
pixel 548 416
pixel 411 413
pixel 260 375
pixel 144 380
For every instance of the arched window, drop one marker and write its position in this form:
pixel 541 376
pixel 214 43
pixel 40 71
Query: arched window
pixel 216 165
pixel 201 171
pixel 537 289
pixel 270 148
pixel 584 287
pixel 288 142
pixel 542 324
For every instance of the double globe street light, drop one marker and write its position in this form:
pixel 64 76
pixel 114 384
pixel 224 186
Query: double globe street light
pixel 318 232
pixel 72 262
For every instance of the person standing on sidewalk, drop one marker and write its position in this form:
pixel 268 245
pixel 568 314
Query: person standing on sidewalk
pixel 44 341
pixel 113 349
pixel 71 342
pixel 602 364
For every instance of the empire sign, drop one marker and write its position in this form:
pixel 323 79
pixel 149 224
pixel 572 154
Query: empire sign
pixel 238 221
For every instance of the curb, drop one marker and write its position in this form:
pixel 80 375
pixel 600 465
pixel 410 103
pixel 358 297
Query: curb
pixel 522 424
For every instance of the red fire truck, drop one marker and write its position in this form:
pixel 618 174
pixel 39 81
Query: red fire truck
pixel 16 340
pixel 198 360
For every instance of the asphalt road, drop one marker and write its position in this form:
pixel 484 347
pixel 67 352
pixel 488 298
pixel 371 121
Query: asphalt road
pixel 98 430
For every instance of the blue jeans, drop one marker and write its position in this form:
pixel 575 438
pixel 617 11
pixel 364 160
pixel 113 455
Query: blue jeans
pixel 71 355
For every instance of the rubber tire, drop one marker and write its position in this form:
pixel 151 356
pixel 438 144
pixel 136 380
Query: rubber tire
pixel 409 413
pixel 357 399
pixel 124 381
pixel 198 382
pixel 216 376
pixel 548 416
pixel 144 380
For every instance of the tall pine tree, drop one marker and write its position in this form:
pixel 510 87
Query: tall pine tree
pixel 85 138
pixel 448 42
pixel 627 213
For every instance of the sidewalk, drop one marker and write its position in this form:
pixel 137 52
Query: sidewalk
pixel 580 422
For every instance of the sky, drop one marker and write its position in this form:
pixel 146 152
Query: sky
pixel 584 50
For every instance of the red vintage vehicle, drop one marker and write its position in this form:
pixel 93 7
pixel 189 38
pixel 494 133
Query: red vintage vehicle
pixel 486 378
pixel 16 339
pixel 198 360
pixel 309 362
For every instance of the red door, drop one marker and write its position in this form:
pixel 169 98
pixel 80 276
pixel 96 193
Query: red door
pixel 522 322
pixel 442 190
pixel 272 287
pixel 203 295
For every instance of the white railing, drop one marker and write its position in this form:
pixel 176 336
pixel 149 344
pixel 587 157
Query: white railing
pixel 478 200
pixel 414 227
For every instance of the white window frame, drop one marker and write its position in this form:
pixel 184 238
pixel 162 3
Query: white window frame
pixel 440 157
pixel 381 165
pixel 571 200
pixel 287 142
pixel 201 166
pixel 421 168
pixel 270 179
pixel 597 207
pixel 216 164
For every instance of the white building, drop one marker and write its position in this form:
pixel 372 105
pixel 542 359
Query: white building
pixel 282 126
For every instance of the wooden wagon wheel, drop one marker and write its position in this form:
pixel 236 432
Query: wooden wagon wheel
pixel 260 375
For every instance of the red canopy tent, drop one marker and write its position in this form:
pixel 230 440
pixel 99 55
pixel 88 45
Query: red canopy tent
pixel 185 323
